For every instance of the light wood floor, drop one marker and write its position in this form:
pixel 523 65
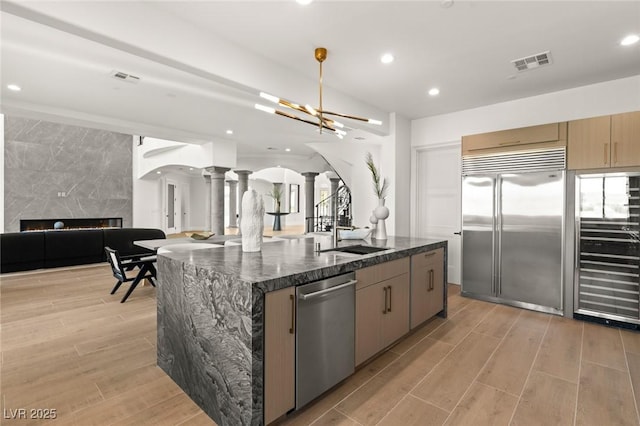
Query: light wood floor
pixel 68 345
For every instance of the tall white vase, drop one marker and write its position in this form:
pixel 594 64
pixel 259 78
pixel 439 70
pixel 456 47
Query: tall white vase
pixel 381 213
pixel 252 223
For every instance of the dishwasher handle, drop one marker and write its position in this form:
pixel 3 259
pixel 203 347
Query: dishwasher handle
pixel 326 290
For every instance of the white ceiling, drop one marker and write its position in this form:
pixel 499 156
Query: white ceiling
pixel 202 63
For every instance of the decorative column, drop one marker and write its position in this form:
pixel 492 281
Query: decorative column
pixel 233 189
pixel 207 203
pixel 309 199
pixel 217 198
pixel 335 182
pixel 243 186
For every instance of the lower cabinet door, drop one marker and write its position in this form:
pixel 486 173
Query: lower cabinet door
pixel 370 304
pixel 279 353
pixel 435 300
pixel 427 286
pixel 395 322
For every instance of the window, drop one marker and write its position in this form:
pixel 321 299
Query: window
pixel 294 198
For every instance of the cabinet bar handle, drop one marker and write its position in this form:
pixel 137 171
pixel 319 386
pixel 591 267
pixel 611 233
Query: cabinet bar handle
pixel 385 300
pixel 430 279
pixel 615 153
pixel 389 310
pixel 431 253
pixel 606 152
pixel 293 313
pixel 509 143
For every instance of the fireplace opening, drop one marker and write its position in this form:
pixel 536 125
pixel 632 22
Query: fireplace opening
pixel 71 223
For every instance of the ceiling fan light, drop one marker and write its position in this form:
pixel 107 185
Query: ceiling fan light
pixel 269 97
pixel 265 108
pixel 376 122
pixel 340 132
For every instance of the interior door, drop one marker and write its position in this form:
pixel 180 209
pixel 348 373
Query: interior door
pixel 438 201
pixel 478 199
pixel 172 208
pixel 530 238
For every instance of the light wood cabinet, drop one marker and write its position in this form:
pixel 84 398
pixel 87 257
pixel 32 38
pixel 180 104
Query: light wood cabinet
pixel 604 142
pixel 533 137
pixel 427 285
pixel 279 353
pixel 382 307
pixel 625 139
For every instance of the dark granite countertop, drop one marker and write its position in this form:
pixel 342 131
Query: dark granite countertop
pixel 294 261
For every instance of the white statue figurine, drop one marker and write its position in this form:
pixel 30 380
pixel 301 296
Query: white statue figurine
pixel 252 224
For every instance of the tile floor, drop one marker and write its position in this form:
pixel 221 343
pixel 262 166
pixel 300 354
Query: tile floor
pixel 491 364
pixel 66 343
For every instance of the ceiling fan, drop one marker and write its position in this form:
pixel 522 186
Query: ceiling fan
pixel 323 122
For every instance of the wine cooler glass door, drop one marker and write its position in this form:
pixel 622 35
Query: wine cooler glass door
pixel 608 261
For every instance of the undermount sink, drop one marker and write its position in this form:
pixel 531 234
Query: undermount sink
pixel 358 249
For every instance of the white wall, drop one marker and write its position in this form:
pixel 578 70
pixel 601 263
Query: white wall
pixel 395 165
pixel 2 173
pixel 610 97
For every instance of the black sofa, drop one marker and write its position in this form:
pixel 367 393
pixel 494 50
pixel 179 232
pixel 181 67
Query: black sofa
pixel 23 251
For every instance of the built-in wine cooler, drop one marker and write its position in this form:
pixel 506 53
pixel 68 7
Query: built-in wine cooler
pixel 608 248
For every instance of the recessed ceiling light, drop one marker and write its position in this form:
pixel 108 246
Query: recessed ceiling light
pixel 434 92
pixel 229 132
pixel 304 2
pixel 158 172
pixel 629 40
pixel 190 168
pixel 288 149
pixel 14 87
pixel 387 58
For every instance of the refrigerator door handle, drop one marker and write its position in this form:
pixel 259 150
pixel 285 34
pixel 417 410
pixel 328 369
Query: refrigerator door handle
pixel 497 264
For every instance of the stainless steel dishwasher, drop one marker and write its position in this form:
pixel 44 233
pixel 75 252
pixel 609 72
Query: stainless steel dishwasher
pixel 325 335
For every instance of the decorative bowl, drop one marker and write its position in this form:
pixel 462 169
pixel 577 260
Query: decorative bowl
pixel 201 235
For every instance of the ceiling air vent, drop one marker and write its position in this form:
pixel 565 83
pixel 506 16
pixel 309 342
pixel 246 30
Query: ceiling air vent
pixel 123 76
pixel 533 61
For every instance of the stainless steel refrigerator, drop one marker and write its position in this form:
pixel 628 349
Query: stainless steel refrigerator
pixel 512 231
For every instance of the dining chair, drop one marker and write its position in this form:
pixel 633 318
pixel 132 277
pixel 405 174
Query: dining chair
pixel 133 270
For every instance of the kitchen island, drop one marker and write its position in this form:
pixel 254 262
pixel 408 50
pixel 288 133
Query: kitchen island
pixel 211 313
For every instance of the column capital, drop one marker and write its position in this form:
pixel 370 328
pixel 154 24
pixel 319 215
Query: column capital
pixel 336 180
pixel 231 182
pixel 310 175
pixel 217 172
pixel 243 172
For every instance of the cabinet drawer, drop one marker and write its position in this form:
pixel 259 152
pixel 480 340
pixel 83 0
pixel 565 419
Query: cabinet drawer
pixel 548 135
pixel 381 272
pixel 423 260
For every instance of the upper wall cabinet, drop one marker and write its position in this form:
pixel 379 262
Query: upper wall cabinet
pixel 524 138
pixel 603 142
